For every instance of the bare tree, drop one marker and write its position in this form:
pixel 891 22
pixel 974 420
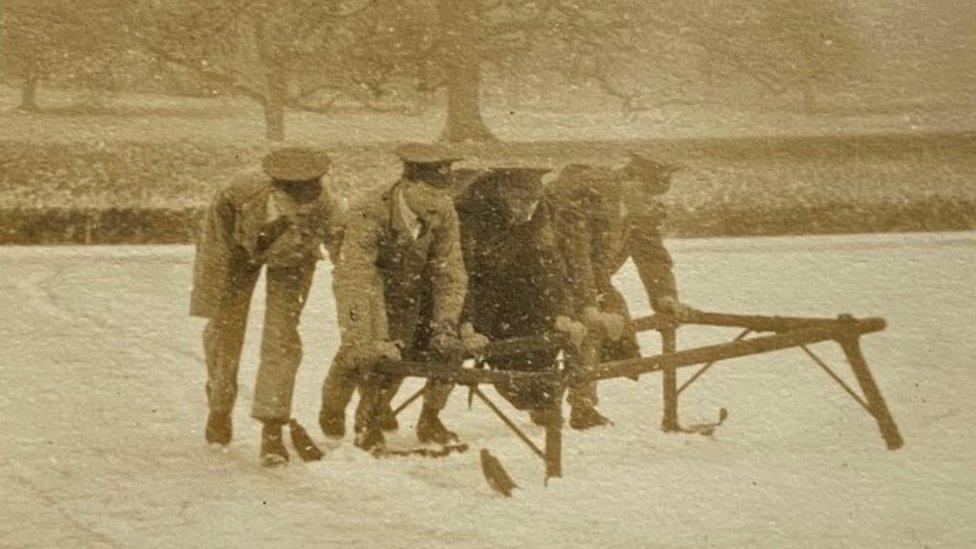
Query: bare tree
pixel 783 45
pixel 465 36
pixel 283 54
pixel 780 44
pixel 74 42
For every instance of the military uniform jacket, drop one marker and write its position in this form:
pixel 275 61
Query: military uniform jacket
pixel 231 239
pixel 517 276
pixel 390 285
pixel 597 237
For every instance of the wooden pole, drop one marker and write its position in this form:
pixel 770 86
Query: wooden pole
pixel 669 345
pixel 554 438
pixel 876 403
pixel 759 323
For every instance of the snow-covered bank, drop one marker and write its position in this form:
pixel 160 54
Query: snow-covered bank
pixel 103 409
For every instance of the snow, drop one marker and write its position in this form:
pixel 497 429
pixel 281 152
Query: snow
pixel 103 407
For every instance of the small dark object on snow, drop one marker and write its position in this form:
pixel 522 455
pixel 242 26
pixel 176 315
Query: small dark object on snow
pixel 707 429
pixel 307 450
pixel 495 474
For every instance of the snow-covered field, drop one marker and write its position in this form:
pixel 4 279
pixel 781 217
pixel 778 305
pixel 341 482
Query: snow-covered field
pixel 102 405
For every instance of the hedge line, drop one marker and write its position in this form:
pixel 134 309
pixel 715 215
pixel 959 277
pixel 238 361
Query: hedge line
pixel 135 192
pixel 179 226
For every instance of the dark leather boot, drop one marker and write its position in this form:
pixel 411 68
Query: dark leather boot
pixel 273 451
pixel 586 417
pixel 219 429
pixel 333 424
pixel 430 429
pixel 387 420
pixel 369 439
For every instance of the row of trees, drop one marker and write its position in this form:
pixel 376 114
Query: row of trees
pixel 310 54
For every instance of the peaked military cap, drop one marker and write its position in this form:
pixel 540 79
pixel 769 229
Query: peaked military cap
pixel 296 163
pixel 426 153
pixel 521 177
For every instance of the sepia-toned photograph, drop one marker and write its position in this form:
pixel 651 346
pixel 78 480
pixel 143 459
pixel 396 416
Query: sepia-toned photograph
pixel 488 273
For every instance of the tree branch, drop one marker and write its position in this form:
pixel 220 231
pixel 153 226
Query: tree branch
pixel 225 79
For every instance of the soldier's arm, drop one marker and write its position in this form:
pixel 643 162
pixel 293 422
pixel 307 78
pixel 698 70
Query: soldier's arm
pixel 357 284
pixel 215 253
pixel 450 277
pixel 469 252
pixel 555 275
pixel 337 212
pixel 574 233
pixel 221 219
pixel 654 263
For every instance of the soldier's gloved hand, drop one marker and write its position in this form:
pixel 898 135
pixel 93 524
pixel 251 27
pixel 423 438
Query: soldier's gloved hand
pixel 472 341
pixel 611 324
pixel 446 344
pixel 576 330
pixel 670 305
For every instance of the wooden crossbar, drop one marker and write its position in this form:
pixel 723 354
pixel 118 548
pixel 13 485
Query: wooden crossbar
pixel 777 333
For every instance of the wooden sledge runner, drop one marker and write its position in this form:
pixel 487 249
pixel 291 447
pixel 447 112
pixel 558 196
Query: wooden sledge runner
pixel 760 334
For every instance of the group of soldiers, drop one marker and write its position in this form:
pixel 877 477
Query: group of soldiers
pixel 436 265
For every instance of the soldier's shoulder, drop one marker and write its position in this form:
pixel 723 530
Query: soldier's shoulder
pixel 244 185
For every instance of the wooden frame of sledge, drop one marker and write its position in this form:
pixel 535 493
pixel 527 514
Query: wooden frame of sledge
pixel 760 334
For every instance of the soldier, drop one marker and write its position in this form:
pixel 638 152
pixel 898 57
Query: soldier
pixel 517 276
pixel 605 216
pixel 400 285
pixel 280 219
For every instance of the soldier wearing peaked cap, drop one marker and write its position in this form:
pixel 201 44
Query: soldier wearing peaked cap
pixel 279 219
pixel 605 216
pixel 420 155
pixel 517 283
pixel 399 287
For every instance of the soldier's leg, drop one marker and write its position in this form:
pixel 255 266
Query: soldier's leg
pixel 387 420
pixel 582 396
pixel 373 392
pixel 281 345
pixel 626 347
pixel 223 339
pixel 337 389
pixel 436 394
pixel 375 398
pixel 429 426
pixel 585 394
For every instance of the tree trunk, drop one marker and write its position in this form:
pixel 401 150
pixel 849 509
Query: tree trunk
pixel 276 83
pixel 459 23
pixel 28 91
pixel 274 104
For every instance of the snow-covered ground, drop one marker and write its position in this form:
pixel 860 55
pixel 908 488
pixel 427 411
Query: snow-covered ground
pixel 101 409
